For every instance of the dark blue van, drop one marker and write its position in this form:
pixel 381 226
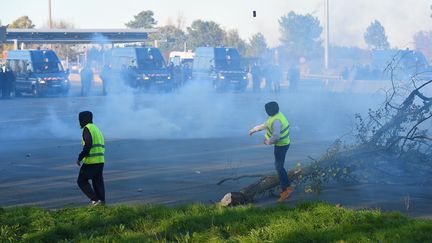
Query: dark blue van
pixel 140 67
pixel 221 66
pixel 38 72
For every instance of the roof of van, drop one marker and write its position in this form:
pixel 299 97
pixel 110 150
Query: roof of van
pixel 30 50
pixel 214 48
pixel 23 54
pixel 211 51
pixel 134 47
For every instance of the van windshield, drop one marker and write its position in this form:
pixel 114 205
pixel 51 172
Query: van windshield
pixel 150 59
pixel 227 59
pixel 45 62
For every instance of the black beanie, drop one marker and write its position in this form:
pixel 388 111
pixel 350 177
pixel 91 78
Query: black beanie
pixel 85 117
pixel 272 108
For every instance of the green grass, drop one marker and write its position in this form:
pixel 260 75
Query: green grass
pixel 307 222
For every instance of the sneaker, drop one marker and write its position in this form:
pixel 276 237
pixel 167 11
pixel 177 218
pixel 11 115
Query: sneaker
pixel 96 203
pixel 285 194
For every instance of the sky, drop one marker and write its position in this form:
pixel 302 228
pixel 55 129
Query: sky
pixel 348 18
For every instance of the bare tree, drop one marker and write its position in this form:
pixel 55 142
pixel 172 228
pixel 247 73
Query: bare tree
pixel 180 21
pixel 63 50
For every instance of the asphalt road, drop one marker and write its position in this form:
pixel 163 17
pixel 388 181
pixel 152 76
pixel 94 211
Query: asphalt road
pixel 173 148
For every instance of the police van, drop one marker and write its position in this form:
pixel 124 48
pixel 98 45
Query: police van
pixel 38 72
pixel 140 67
pixel 221 66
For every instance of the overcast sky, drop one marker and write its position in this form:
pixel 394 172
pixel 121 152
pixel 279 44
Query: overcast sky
pixel 348 18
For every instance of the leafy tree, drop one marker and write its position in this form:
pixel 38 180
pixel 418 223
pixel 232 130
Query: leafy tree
pixel 61 24
pixel 174 38
pixel 144 19
pixel 232 39
pixel 22 22
pixel 203 33
pixel 375 36
pixel 300 34
pixel 257 45
pixel 423 43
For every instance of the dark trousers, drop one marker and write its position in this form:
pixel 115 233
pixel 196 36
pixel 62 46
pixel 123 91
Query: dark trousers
pixel 85 87
pixel 5 89
pixel 93 172
pixel 280 153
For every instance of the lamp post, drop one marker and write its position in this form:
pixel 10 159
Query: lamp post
pixel 49 15
pixel 326 38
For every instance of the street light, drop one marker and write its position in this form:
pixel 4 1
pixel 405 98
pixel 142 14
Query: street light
pixel 49 15
pixel 326 38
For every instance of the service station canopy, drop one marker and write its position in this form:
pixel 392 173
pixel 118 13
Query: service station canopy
pixel 77 36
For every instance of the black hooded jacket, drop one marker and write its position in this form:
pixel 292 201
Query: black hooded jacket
pixel 87 144
pixel 84 119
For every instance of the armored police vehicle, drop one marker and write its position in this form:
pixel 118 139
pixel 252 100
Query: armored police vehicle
pixel 221 66
pixel 140 67
pixel 38 72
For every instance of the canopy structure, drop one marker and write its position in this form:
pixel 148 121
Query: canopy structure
pixel 76 36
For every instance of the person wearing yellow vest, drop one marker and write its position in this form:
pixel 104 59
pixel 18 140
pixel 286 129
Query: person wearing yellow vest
pixel 277 134
pixel 93 160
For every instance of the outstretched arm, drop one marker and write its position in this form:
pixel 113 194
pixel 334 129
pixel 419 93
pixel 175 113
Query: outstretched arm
pixel 257 128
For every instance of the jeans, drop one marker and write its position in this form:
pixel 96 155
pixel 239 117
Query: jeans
pixel 280 153
pixel 92 172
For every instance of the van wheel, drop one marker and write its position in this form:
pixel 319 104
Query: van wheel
pixel 34 91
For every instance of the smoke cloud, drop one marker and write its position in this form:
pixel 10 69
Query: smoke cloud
pixel 194 111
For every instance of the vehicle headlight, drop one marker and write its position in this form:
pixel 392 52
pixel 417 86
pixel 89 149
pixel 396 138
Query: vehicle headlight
pixel 221 76
pixel 145 77
pixel 66 81
pixel 244 77
pixel 41 81
pixel 169 77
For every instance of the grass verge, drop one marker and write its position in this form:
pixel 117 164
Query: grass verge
pixel 307 222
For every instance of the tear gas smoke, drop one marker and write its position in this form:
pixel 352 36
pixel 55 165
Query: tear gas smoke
pixel 195 111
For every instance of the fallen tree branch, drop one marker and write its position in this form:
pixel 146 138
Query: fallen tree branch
pixel 238 177
pixel 379 143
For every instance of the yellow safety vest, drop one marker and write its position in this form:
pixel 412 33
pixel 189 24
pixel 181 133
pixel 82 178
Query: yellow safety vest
pixel 284 138
pixel 96 155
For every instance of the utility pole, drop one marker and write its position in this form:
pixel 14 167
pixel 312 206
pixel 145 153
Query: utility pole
pixel 49 20
pixel 326 41
pixel 49 15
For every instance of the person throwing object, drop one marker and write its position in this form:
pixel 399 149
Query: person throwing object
pixel 277 134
